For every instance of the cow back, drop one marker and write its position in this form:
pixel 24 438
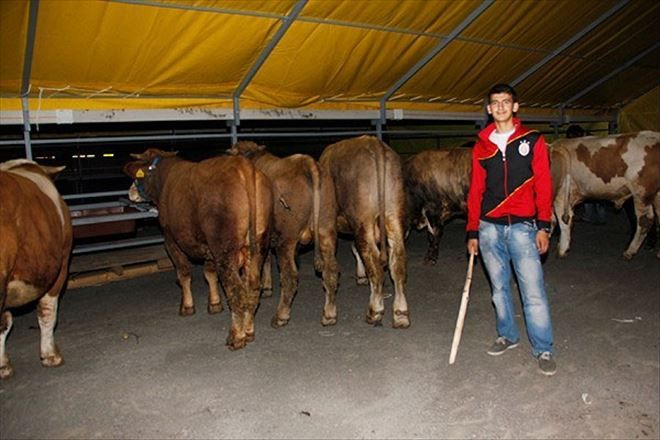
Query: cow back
pixel 35 227
pixel 439 176
pixel 607 167
pixel 206 202
pixel 293 179
pixel 352 165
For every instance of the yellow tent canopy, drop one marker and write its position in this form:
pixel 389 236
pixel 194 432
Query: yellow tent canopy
pixel 564 56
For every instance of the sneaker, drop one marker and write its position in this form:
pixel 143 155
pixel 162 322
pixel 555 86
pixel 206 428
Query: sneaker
pixel 547 364
pixel 501 345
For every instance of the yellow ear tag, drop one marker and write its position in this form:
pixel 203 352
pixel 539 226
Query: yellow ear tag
pixel 139 174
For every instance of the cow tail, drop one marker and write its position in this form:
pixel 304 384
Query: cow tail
pixel 252 207
pixel 316 209
pixel 3 299
pixel 380 176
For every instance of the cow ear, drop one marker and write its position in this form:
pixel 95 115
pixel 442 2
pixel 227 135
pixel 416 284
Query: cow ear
pixel 137 156
pixel 52 172
pixel 261 147
pixel 168 153
pixel 233 151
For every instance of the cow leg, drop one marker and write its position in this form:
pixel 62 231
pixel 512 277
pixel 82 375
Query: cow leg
pixel 644 222
pixel 6 322
pixel 656 206
pixel 286 258
pixel 564 215
pixel 234 289
pixel 47 317
pixel 399 274
pixel 267 277
pixel 369 251
pixel 434 232
pixel 433 251
pixel 329 274
pixel 184 276
pixel 252 286
pixel 215 303
pixel 360 274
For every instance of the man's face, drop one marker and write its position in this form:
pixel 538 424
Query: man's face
pixel 502 107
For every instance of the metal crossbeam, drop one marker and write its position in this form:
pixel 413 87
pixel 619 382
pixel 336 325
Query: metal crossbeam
pixel 263 56
pixel 429 56
pixel 569 42
pixel 612 73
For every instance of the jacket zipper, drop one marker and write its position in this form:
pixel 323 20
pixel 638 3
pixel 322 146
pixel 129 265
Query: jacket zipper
pixel 506 180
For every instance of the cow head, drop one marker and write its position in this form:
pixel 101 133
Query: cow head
pixel 48 171
pixel 245 148
pixel 141 169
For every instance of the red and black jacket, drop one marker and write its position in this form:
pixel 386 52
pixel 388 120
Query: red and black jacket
pixel 511 188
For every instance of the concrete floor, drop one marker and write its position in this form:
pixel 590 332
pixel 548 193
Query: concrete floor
pixel 135 369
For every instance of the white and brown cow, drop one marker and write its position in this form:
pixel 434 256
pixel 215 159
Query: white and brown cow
pixel 437 183
pixel 217 211
pixel 363 195
pixel 296 200
pixel 35 246
pixel 611 168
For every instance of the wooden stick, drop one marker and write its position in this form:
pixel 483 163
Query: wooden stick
pixel 462 312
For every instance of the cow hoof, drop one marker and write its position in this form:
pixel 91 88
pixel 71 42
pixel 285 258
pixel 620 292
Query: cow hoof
pixel 326 321
pixel 375 319
pixel 235 344
pixel 430 261
pixel 249 337
pixel 277 322
pixel 362 281
pixel 6 371
pixel 214 308
pixel 401 319
pixel 186 311
pixel 628 256
pixel 52 361
pixel 267 293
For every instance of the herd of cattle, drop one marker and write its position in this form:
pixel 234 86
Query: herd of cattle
pixel 230 212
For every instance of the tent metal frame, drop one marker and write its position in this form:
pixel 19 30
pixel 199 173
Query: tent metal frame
pixel 234 115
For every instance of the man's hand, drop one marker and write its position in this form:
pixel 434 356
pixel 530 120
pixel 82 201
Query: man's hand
pixel 542 242
pixel 473 246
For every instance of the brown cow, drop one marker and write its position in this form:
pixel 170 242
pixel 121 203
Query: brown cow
pixel 217 211
pixel 296 200
pixel 35 229
pixel 363 195
pixel 610 168
pixel 437 183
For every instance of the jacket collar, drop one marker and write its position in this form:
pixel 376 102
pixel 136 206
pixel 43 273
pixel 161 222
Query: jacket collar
pixel 486 132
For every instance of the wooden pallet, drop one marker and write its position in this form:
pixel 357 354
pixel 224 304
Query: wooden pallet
pixel 105 267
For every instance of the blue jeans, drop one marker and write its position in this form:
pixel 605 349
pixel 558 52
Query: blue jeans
pixel 500 246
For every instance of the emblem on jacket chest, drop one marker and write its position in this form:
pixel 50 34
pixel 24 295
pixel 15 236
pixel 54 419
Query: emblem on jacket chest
pixel 523 148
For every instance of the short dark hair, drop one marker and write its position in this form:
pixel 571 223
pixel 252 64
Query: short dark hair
pixel 503 88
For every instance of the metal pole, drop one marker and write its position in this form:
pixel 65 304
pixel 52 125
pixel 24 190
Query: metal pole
pixel 25 105
pixel 263 56
pixel 27 68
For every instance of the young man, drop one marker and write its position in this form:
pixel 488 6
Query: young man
pixel 509 212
